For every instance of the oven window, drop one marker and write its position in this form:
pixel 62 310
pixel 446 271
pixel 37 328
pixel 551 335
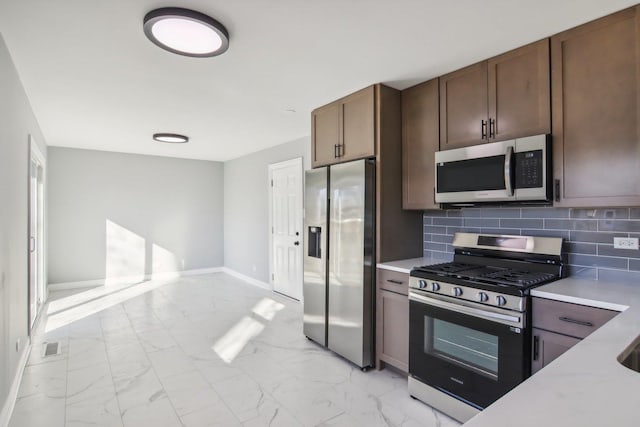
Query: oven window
pixel 466 347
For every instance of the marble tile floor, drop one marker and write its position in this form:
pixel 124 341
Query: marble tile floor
pixel 206 350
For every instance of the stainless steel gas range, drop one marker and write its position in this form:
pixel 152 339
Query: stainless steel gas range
pixel 470 325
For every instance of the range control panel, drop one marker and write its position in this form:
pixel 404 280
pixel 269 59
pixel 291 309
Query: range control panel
pixel 509 302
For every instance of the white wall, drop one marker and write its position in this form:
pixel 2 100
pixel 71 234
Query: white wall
pixel 246 207
pixel 114 214
pixel 17 121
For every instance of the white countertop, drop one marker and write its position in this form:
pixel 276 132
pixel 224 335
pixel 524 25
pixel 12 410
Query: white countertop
pixel 405 265
pixel 586 386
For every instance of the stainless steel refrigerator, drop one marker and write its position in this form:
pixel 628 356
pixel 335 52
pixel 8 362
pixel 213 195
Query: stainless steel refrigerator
pixel 339 259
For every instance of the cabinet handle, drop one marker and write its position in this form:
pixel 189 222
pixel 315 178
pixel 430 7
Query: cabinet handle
pixel 341 150
pixel 492 128
pixel 397 282
pixel 536 347
pixel 557 190
pixel 483 129
pixel 577 322
pixel 335 151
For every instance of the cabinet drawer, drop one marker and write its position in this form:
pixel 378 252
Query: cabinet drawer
pixel 569 319
pixel 393 281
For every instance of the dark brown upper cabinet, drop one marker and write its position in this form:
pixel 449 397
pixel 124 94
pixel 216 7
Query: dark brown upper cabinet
pixel 596 112
pixel 344 129
pixel 420 141
pixel 505 97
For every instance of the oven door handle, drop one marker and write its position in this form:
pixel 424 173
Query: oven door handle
pixel 476 312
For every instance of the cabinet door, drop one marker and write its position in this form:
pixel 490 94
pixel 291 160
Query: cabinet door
pixel 463 107
pixel 393 329
pixel 548 346
pixel 596 112
pixel 520 92
pixel 325 135
pixel 420 141
pixel 358 124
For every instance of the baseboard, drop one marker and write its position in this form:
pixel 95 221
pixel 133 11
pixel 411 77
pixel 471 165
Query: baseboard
pixel 132 279
pixel 250 280
pixel 10 402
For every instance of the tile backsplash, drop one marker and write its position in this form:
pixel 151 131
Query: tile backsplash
pixel 588 234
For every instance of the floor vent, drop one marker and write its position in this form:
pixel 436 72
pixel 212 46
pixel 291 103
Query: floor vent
pixel 51 349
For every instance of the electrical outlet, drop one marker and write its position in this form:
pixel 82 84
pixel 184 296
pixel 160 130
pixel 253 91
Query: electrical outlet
pixel 625 243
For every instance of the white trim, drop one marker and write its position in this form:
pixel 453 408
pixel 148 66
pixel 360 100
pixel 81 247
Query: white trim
pixel 10 402
pixel 297 161
pixel 250 280
pixel 121 280
pixel 36 154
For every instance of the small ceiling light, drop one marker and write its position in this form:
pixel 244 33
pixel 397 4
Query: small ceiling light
pixel 186 32
pixel 171 138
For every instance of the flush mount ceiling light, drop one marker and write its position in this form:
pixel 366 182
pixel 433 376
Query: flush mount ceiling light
pixel 186 32
pixel 171 138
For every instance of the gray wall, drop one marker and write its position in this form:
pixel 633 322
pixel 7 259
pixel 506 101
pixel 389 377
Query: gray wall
pixel 97 198
pixel 17 121
pixel 246 207
pixel 588 234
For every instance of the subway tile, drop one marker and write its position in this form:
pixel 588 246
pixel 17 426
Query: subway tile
pixel 454 213
pixel 581 272
pixel 598 261
pixel 435 213
pixel 426 220
pixel 545 213
pixel 453 230
pixel 618 276
pixel 447 221
pixel 482 222
pixel 426 237
pixel 546 233
pixel 501 213
pixel 602 213
pixel 440 247
pixel 506 231
pixel 439 238
pixel 594 237
pixel 471 212
pixel 450 249
pixel 435 229
pixel 608 250
pixel 571 224
pixel 521 223
pixel 634 213
pixel 613 225
pixel 634 264
pixel 581 248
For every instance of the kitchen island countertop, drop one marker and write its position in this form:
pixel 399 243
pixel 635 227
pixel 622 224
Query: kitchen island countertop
pixel 586 386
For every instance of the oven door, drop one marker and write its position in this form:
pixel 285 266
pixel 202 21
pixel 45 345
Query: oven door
pixel 473 352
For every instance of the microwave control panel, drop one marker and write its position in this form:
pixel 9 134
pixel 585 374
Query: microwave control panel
pixel 529 169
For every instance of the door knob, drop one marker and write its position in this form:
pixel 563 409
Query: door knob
pixel 296 243
pixel 297 234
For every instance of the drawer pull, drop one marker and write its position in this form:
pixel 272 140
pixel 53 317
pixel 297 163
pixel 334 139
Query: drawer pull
pixel 397 282
pixel 577 322
pixel 536 347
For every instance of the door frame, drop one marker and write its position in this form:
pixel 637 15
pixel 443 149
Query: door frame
pixel 36 154
pixel 297 161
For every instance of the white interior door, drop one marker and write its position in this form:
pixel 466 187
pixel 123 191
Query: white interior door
pixel 36 233
pixel 286 227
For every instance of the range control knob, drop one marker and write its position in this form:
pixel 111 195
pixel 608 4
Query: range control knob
pixel 456 291
pixel 483 297
pixel 500 300
pixel 422 284
pixel 435 287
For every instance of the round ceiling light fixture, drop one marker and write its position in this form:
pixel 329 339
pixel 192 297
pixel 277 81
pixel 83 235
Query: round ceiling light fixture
pixel 171 138
pixel 186 32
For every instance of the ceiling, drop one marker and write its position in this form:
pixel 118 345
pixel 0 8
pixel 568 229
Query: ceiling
pixel 95 81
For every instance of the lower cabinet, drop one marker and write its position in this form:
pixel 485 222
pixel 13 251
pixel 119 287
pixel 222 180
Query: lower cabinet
pixel 548 346
pixel 558 326
pixel 392 321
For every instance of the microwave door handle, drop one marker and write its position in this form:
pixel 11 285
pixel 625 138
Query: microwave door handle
pixel 507 171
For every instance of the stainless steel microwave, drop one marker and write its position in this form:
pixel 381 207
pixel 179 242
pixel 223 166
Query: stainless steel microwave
pixel 517 170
